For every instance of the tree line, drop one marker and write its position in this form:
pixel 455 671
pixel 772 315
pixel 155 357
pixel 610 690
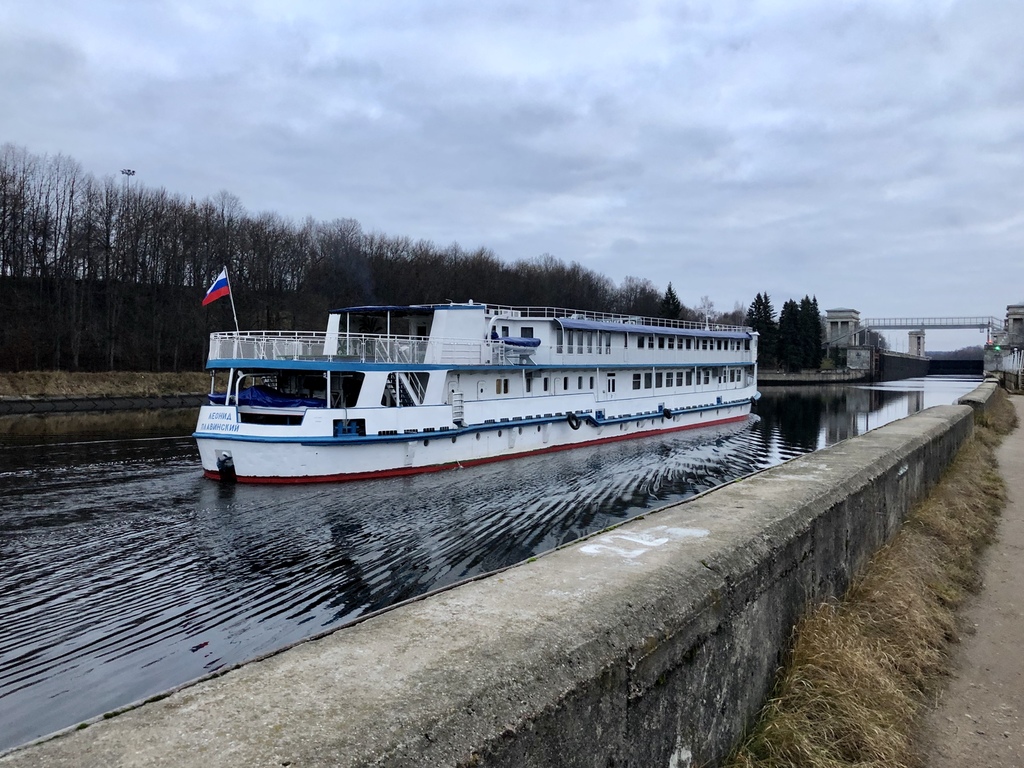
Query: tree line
pixel 795 340
pixel 108 274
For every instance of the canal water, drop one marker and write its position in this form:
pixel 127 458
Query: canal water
pixel 123 572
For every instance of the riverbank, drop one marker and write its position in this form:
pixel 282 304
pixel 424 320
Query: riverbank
pixel 115 384
pixel 46 392
pixel 859 680
pixel 977 718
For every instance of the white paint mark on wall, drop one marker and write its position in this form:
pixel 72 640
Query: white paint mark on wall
pixel 632 545
pixel 680 758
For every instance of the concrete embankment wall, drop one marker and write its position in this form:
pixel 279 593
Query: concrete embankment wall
pixel 894 366
pixel 653 644
pixel 979 398
pixel 783 379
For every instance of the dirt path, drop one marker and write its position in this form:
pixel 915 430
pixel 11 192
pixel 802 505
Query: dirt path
pixel 978 718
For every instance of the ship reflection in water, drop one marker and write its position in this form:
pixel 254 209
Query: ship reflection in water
pixel 126 573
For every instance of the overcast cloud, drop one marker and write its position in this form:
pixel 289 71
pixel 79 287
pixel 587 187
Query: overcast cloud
pixel 870 153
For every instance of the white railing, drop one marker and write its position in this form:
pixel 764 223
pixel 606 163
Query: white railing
pixel 418 350
pixel 1012 362
pixel 266 345
pixel 576 314
pixel 381 349
pixel 311 345
pixel 364 348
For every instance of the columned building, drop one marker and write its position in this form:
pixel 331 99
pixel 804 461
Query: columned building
pixel 915 343
pixel 842 324
pixel 1015 325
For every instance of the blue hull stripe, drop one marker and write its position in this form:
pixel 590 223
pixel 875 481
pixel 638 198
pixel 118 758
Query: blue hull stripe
pixel 468 430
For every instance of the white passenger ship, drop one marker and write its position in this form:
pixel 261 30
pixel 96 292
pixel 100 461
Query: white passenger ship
pixel 395 390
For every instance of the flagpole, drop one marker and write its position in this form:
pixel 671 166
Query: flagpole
pixel 231 295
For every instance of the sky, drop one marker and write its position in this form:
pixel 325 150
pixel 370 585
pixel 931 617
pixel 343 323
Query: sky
pixel 866 152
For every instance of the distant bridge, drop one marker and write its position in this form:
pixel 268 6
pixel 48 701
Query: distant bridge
pixel 991 324
pixel 846 330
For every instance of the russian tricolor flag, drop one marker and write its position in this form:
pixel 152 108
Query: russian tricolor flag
pixel 219 289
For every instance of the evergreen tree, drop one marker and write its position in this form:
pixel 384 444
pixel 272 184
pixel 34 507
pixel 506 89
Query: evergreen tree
pixel 790 349
pixel 761 318
pixel 816 334
pixel 671 307
pixel 810 336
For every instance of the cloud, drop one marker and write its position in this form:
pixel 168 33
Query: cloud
pixel 863 152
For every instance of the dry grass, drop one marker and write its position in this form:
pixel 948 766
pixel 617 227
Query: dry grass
pixel 860 669
pixel 64 384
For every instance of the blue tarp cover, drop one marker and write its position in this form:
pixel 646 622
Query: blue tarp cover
pixel 268 397
pixel 520 341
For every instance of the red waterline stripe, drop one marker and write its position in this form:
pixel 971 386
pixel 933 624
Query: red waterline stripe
pixel 404 471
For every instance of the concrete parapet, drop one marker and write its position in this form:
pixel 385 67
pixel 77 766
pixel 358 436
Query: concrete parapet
pixel 653 644
pixel 978 399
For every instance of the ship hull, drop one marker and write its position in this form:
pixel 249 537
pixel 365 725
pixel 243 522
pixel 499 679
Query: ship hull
pixel 306 460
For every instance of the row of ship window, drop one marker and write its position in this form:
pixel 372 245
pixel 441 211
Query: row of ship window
pixel 645 380
pixel 577 341
pixel 685 378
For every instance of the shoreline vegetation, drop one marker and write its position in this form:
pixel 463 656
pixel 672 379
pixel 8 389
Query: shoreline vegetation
pixel 63 384
pixel 861 671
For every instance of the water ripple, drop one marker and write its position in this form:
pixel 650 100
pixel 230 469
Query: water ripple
pixel 126 573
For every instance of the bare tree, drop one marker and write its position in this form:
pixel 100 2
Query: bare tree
pixel 115 270
pixel 706 308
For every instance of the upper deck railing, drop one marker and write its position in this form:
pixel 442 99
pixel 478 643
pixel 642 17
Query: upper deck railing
pixel 238 348
pixel 556 313
pixel 266 345
pixel 356 347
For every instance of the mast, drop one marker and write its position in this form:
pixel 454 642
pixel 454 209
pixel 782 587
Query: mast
pixel 231 295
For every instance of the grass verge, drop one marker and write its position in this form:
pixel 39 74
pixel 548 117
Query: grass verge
pixel 860 669
pixel 112 384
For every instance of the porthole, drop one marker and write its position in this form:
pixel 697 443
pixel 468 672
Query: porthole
pixel 477 436
pixel 520 430
pixel 499 433
pixel 455 438
pixel 426 442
